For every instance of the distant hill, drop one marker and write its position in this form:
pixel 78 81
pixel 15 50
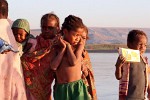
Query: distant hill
pixel 112 35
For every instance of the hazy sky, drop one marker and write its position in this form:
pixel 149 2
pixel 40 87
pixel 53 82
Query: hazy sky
pixel 95 13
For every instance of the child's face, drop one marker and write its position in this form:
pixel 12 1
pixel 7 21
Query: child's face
pixel 73 37
pixel 140 44
pixel 84 35
pixel 19 34
pixel 49 29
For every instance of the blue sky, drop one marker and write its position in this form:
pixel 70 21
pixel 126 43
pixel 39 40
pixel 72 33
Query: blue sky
pixel 95 13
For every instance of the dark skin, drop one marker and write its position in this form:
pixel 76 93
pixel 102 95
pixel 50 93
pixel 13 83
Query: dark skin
pixel 2 16
pixel 49 29
pixel 140 44
pixel 3 7
pixel 70 68
pixel 20 34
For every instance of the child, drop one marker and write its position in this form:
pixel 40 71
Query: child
pixel 21 31
pixel 36 62
pixel 66 61
pixel 133 75
pixel 87 71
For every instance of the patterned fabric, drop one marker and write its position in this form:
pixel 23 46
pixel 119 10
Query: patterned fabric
pixel 88 79
pixel 123 83
pixel 37 72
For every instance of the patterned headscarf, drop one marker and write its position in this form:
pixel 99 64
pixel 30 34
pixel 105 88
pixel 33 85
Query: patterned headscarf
pixel 21 23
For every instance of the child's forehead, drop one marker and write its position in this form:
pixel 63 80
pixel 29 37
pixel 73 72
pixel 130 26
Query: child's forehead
pixel 51 22
pixel 18 29
pixel 140 36
pixel 51 18
pixel 78 31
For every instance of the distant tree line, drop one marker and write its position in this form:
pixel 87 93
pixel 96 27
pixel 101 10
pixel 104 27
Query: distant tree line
pixel 106 46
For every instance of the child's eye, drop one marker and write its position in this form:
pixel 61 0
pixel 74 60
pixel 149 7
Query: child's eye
pixel 77 34
pixel 83 37
pixel 146 45
pixel 143 45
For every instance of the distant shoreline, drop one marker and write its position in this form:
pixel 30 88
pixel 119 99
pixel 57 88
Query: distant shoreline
pixel 102 51
pixel 109 51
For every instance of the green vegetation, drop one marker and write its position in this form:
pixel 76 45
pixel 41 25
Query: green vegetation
pixel 106 46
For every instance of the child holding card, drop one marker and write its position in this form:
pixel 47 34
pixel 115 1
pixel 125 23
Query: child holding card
pixel 133 76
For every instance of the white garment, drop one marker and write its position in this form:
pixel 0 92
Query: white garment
pixel 11 76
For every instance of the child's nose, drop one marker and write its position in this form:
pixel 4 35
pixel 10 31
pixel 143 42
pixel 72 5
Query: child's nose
pixel 18 36
pixel 143 47
pixel 78 38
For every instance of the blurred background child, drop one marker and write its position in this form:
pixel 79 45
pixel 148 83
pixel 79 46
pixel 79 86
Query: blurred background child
pixel 87 70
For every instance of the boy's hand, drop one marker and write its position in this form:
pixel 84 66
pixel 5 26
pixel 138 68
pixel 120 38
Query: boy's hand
pixel 120 61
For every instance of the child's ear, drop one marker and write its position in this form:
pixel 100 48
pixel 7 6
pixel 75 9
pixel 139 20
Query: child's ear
pixel 65 31
pixel 58 29
pixel 27 34
pixel 129 45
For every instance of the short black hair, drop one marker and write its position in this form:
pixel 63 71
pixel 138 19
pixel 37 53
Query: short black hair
pixel 72 23
pixel 133 34
pixel 4 7
pixel 50 15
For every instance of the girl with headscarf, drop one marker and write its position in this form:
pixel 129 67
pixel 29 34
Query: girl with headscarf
pixel 21 31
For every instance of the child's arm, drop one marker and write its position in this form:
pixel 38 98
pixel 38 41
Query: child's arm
pixel 56 59
pixel 120 61
pixel 75 57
